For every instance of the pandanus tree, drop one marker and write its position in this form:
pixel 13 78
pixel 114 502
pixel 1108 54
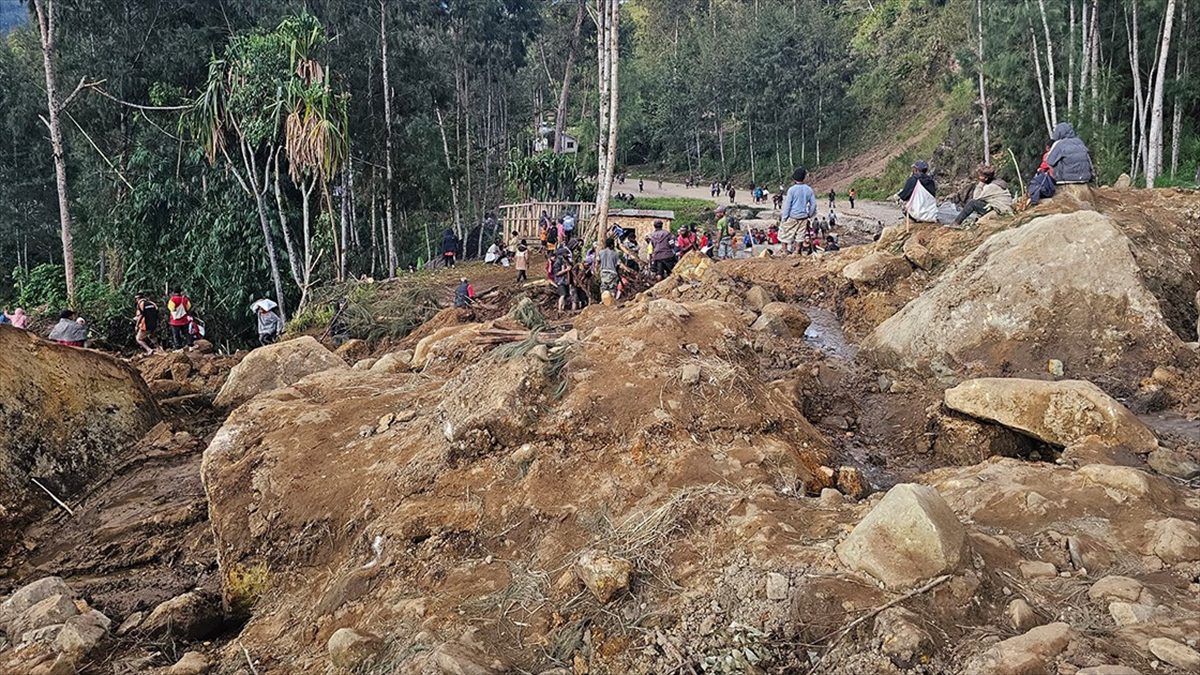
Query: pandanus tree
pixel 267 105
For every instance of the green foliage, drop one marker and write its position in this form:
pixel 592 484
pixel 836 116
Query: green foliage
pixel 688 211
pixel 548 176
pixel 42 292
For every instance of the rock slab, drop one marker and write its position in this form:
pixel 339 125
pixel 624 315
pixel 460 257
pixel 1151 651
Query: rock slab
pixel 274 366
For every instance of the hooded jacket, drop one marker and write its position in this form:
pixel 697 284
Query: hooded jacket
pixel 1069 158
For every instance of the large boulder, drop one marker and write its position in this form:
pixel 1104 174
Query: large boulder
pixel 878 269
pixel 65 415
pixel 910 536
pixel 1059 413
pixel 1063 287
pixel 275 366
pixel 1026 654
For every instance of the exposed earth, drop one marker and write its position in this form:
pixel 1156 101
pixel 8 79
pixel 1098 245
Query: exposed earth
pixel 944 451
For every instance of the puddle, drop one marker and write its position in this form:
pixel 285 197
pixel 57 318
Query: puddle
pixel 825 333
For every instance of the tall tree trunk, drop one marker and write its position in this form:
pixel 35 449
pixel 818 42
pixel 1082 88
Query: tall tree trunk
pixel 1049 65
pixel 1037 68
pixel 281 208
pixel 560 117
pixel 389 233
pixel 1071 59
pixel 983 107
pixel 608 40
pixel 1181 71
pixel 46 31
pixel 454 207
pixel 1094 56
pixel 1137 129
pixel 1154 160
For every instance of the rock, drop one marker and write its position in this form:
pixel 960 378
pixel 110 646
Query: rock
pixel 1174 540
pixel 758 297
pixel 876 270
pixel 918 254
pixel 1107 670
pixel 1173 463
pixel 1058 413
pixel 668 308
pixel 274 366
pixel 456 658
pixel 850 481
pixel 1055 368
pixel 1122 479
pixel 195 615
pixel 1037 569
pixel 192 663
pixel 1021 616
pixel 792 316
pixel 31 594
pixel 203 346
pixel 1093 450
pixel 1089 306
pixel 349 648
pixel 901 637
pixel 1116 587
pixel 55 609
pixel 131 622
pixel 393 362
pixel 831 498
pixel 82 634
pixel 777 586
pixel 353 350
pixel 1175 653
pixel 1030 653
pixel 1124 182
pixel 1129 613
pixel 910 535
pixel 692 266
pixel 364 364
pixel 602 574
pixel 771 325
pixel 690 373
pixel 67 414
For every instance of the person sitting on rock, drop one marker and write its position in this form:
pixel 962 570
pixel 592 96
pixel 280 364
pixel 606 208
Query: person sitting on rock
pixel 71 330
pixel 989 195
pixel 1069 159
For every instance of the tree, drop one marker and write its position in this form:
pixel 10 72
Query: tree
pixel 608 21
pixel 45 10
pixel 1154 159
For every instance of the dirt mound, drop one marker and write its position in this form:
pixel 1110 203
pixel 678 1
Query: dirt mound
pixel 50 429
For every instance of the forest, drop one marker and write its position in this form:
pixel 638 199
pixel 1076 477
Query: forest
pixel 269 148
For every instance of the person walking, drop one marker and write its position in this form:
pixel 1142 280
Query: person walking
pixel 270 324
pixel 146 320
pixel 608 268
pixel 799 205
pixel 178 307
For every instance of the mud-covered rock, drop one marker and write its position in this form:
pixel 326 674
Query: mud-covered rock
pixel 274 366
pixel 910 536
pixel 349 648
pixel 1059 413
pixel 1175 653
pixel 1030 652
pixel 191 663
pixel 65 415
pixel 901 637
pixel 604 575
pixel 31 594
pixel 1060 287
pixel 875 270
pixel 195 615
pixel 792 316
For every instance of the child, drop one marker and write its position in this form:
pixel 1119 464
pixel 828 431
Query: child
pixel 522 259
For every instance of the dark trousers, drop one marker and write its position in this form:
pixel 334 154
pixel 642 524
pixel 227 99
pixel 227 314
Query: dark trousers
pixel 522 275
pixel 971 207
pixel 181 337
pixel 1041 187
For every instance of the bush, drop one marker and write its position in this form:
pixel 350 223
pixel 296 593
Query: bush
pixel 42 291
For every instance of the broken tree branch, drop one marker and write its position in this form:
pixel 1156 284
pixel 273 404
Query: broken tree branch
pixel 52 495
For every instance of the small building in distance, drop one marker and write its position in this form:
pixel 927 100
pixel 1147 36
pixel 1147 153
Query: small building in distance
pixel 640 220
pixel 545 141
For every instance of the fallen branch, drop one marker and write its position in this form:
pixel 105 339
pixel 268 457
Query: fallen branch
pixel 52 495
pixel 840 633
pixel 249 662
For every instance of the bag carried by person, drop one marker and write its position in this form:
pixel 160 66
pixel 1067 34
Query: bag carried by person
pixel 922 206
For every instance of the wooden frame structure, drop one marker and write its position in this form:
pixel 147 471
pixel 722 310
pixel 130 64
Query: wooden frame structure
pixel 520 222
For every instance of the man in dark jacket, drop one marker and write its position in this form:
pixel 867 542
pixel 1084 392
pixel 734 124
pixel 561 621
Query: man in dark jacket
pixel 662 256
pixel 920 175
pixel 1069 159
pixel 449 247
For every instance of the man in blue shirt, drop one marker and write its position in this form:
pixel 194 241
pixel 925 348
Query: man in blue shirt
pixel 799 205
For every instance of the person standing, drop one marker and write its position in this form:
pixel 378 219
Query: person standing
pixel 270 325
pixel 732 194
pixel 641 185
pixel 662 256
pixel 449 247
pixel 560 270
pixel 522 262
pixel 178 307
pixel 799 205
pixel 724 246
pixel 146 320
pixel 853 194
pixel 832 198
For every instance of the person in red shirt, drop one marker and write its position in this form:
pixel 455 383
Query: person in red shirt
pixel 178 309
